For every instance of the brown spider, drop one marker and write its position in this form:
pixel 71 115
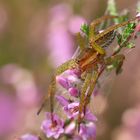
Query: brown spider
pixel 90 61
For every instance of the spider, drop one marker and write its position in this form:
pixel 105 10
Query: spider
pixel 90 61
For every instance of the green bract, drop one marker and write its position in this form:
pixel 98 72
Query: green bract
pixel 85 29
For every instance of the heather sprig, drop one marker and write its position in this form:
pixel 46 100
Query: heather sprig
pixel 71 81
pixel 85 29
pixel 77 78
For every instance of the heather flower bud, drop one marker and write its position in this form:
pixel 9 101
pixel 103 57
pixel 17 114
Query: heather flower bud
pixel 88 131
pixel 63 82
pixel 74 92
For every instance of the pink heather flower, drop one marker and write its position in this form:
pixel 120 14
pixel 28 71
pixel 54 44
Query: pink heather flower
pixel 72 109
pixel 28 137
pixel 63 101
pixel 70 129
pixel 52 129
pixel 73 72
pixel 88 131
pixel 70 81
pixel 89 116
pixel 64 82
pixel 74 92
pixel 73 78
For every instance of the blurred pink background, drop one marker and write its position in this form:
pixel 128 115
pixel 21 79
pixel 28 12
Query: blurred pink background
pixel 38 35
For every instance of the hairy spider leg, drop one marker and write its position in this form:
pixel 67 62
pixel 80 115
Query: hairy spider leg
pixel 51 92
pixel 93 82
pixel 70 64
pixel 94 38
pixel 97 22
pixel 82 97
pixel 91 88
pixel 97 47
pixel 92 33
pixel 81 41
pixel 111 28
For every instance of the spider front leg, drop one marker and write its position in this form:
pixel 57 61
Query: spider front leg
pixel 93 43
pixel 110 29
pixel 92 32
pixel 51 90
pixel 96 47
pixel 81 41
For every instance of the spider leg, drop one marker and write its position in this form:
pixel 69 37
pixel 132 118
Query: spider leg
pixel 80 40
pixel 50 96
pixel 110 29
pixel 98 48
pixel 96 22
pixel 93 82
pixel 101 19
pixel 82 96
pixel 100 36
pixel 91 88
pixel 93 35
pixel 70 64
pixel 51 90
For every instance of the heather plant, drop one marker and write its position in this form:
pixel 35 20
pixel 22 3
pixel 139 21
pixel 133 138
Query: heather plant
pixel 74 82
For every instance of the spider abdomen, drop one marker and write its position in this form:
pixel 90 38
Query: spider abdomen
pixel 106 40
